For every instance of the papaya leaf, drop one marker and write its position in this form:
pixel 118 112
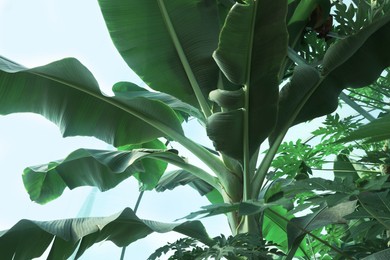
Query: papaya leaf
pixel 66 93
pixel 28 239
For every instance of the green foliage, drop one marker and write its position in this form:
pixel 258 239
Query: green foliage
pixel 242 246
pixel 247 71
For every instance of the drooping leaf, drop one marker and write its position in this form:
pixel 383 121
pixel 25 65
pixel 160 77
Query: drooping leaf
pixel 168 43
pixel 274 228
pixel 343 168
pixel 294 95
pixel 84 167
pixel 173 179
pixel 373 205
pixel 243 208
pixel 152 169
pixel 377 130
pixel 298 227
pixel 319 184
pixel 28 239
pixel 252 46
pixel 213 210
pixel 382 255
pixel 128 90
pixel 345 65
pixel 66 93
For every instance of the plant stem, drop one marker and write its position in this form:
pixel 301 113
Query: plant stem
pixel 135 211
pixel 186 66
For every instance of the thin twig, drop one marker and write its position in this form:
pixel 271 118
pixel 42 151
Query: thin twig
pixel 135 211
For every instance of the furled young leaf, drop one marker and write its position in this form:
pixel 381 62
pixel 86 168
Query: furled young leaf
pixel 345 65
pixel 66 93
pixel 297 228
pixel 28 239
pixel 252 46
pixel 84 167
pixel 231 99
pixel 168 43
pixel 375 131
pixel 225 129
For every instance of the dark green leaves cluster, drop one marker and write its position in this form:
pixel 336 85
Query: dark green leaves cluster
pixel 234 247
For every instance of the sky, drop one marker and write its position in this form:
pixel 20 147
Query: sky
pixel 34 33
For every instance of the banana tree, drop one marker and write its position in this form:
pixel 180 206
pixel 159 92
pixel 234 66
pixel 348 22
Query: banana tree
pixel 224 63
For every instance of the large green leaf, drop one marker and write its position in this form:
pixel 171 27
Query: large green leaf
pixel 152 169
pixel 375 131
pixel 173 179
pixel 381 255
pixel 345 65
pixel 374 205
pixel 275 221
pixel 102 169
pixel 343 168
pixel 168 43
pixel 294 95
pixel 128 90
pixel 29 239
pixel 66 93
pixel 252 46
pixel 298 227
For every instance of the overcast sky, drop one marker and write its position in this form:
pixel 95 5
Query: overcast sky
pixel 35 33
